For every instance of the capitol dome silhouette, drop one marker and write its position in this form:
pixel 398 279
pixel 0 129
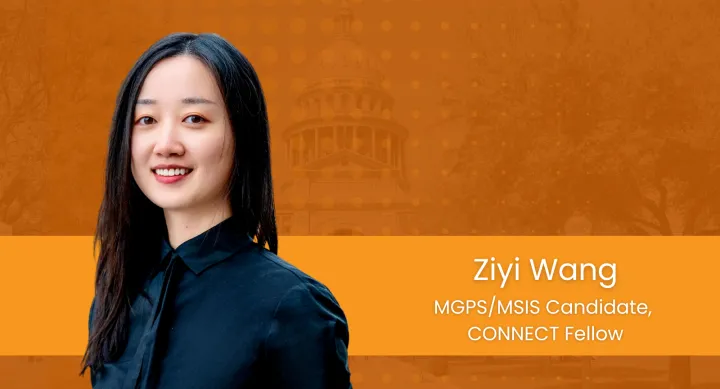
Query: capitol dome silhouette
pixel 344 59
pixel 345 150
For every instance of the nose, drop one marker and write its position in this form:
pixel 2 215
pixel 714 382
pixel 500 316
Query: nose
pixel 168 142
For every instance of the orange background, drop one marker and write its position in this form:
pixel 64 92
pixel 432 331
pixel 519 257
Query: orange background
pixel 509 117
pixel 515 117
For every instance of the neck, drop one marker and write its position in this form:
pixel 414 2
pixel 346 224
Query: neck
pixel 185 224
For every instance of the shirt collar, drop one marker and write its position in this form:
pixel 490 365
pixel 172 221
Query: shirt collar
pixel 210 247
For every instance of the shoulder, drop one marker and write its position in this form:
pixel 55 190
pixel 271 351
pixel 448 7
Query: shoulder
pixel 301 295
pixel 279 273
pixel 306 342
pixel 278 266
pixel 308 300
pixel 286 287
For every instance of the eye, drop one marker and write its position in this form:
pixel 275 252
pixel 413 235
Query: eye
pixel 195 119
pixel 145 121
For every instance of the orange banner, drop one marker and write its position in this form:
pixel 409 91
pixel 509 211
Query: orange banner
pixel 432 295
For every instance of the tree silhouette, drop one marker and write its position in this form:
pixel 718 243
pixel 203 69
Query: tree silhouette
pixel 23 102
pixel 628 142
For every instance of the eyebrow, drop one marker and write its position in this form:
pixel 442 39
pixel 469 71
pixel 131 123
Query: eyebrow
pixel 187 100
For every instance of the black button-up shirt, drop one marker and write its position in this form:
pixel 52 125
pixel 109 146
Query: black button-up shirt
pixel 222 312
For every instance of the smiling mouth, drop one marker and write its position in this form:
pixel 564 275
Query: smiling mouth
pixel 172 172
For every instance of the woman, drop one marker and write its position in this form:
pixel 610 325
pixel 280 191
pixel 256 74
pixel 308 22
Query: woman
pixel 187 294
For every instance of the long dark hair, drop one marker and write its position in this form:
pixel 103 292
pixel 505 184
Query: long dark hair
pixel 129 225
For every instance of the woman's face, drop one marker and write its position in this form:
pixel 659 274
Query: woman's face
pixel 182 142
